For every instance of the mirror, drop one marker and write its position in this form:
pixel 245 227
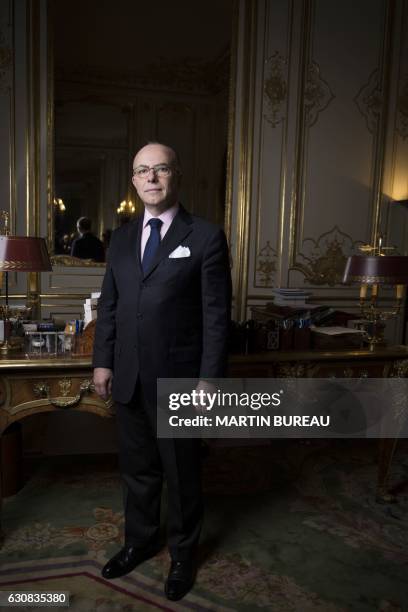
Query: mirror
pixel 126 74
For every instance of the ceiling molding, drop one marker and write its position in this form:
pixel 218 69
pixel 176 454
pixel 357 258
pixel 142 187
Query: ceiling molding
pixel 186 75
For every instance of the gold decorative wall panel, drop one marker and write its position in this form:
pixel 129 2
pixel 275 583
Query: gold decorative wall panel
pixel 321 115
pixel 7 103
pixel 67 260
pixel 266 266
pixel 318 159
pixel 242 168
pixel 324 258
pixel 232 85
pixel 275 88
pixel 317 94
pixel 369 100
pixel 270 160
pixel 402 109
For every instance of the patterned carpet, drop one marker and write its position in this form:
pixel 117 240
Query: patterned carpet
pixel 291 527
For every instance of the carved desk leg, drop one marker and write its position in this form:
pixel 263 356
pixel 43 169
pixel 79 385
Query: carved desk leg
pixel 4 423
pixel 397 417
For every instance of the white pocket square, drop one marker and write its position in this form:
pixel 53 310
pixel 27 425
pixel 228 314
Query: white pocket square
pixel 181 251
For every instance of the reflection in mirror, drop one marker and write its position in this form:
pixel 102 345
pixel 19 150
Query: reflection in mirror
pixel 111 99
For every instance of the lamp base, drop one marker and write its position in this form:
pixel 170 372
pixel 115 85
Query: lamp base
pixel 375 334
pixel 8 346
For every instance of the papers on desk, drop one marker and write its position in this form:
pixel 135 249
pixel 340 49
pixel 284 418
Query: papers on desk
pixel 90 308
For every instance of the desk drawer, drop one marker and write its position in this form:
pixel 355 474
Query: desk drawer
pixel 23 395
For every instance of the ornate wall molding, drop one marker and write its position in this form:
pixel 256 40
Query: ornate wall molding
pixel 187 75
pixel 232 84
pixel 402 109
pixel 245 100
pixel 324 259
pixel 369 101
pixel 275 88
pixel 317 94
pixel 266 261
pixel 67 260
pixel 113 146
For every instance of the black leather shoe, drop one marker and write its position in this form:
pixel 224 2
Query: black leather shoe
pixel 180 579
pixel 126 560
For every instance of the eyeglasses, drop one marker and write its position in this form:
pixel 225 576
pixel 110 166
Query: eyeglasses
pixel 161 170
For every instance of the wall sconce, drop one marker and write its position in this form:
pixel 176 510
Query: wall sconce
pixel 59 205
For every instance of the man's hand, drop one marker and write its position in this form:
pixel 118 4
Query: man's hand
pixel 205 387
pixel 102 378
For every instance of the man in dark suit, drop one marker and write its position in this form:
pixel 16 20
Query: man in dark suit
pixel 164 311
pixel 87 246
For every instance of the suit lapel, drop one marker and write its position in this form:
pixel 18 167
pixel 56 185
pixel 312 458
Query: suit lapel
pixel 135 236
pixel 180 228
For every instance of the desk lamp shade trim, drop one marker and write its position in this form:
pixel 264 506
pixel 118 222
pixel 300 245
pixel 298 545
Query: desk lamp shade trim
pixel 24 254
pixel 386 269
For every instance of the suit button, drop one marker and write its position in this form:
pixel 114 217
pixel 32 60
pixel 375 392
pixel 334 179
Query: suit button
pixel 139 315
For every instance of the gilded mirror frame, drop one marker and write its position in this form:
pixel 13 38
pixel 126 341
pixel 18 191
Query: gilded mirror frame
pixel 67 260
pixel 56 260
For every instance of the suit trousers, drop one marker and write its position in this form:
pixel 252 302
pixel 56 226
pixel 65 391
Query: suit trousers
pixel 144 461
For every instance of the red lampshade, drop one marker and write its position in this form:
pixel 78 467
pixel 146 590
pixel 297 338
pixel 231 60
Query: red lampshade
pixel 384 269
pixel 24 254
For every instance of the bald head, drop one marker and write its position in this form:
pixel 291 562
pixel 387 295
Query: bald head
pixel 160 147
pixel 159 187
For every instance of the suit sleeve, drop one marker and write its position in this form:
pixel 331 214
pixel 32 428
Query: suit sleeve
pixel 216 305
pixel 105 330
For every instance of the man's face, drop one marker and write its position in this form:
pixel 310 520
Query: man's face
pixel 157 192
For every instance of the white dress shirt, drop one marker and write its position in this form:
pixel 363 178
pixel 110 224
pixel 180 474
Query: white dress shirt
pixel 167 219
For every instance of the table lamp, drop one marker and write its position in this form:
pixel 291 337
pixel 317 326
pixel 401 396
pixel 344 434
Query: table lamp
pixel 20 254
pixel 372 272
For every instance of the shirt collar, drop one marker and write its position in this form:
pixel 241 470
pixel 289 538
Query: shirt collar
pixel 167 216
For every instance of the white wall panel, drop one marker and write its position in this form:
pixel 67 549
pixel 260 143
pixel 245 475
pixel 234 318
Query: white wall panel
pixel 316 138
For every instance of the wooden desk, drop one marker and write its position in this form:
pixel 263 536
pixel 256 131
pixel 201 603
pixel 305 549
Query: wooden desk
pixel 362 363
pixel 31 386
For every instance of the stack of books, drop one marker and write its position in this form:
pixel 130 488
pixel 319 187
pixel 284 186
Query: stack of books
pixel 285 296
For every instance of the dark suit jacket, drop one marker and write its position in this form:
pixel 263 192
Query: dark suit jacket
pixel 172 321
pixel 88 246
